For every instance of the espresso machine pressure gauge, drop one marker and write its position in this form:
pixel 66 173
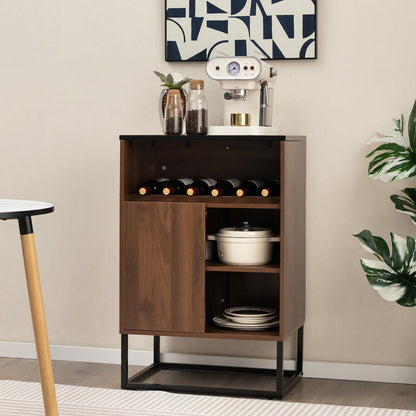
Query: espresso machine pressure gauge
pixel 233 68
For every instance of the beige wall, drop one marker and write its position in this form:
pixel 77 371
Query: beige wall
pixel 76 74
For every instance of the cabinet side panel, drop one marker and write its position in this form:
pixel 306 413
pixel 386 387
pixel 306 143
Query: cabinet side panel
pixel 145 266
pixel 293 234
pixel 188 267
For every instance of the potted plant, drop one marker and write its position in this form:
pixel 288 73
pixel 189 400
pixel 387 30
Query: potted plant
pixel 171 81
pixel 393 274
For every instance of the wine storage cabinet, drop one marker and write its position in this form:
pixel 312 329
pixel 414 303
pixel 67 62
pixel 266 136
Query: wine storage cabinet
pixel 168 288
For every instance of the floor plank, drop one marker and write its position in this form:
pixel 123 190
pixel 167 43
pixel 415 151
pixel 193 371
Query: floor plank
pixel 308 390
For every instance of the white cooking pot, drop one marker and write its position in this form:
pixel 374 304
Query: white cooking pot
pixel 245 246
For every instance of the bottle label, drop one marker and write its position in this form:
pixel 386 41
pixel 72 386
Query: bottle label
pixel 209 181
pixel 186 181
pixel 234 182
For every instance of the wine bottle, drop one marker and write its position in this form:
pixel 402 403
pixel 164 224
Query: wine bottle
pixel 226 187
pixel 177 186
pixel 271 188
pixel 201 187
pixel 250 187
pixel 154 186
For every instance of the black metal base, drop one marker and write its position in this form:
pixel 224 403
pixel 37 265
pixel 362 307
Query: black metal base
pixel 284 380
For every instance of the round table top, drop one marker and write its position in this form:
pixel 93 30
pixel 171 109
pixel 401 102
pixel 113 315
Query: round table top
pixel 17 208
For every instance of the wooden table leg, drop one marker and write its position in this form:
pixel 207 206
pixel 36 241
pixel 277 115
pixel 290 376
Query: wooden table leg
pixel 39 323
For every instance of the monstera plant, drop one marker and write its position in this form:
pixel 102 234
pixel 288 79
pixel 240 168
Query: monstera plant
pixel 393 274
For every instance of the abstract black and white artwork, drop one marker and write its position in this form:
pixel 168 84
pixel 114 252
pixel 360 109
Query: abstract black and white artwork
pixel 197 30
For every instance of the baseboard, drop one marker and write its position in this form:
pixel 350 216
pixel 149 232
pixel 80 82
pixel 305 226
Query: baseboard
pixel 312 369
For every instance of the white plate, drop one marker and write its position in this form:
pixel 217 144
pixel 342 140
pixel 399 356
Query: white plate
pixel 223 321
pixel 251 320
pixel 249 311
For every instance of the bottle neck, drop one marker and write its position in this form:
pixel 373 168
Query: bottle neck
pixel 168 190
pixel 192 191
pixel 265 192
pixel 144 190
pixel 216 192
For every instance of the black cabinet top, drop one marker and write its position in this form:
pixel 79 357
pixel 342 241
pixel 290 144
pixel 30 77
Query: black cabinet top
pixel 216 137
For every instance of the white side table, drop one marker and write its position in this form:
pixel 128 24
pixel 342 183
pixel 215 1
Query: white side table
pixel 23 212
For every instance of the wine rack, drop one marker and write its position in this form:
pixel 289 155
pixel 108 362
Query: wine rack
pixel 167 288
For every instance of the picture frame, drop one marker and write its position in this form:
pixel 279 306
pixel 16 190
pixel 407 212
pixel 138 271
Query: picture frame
pixel 197 30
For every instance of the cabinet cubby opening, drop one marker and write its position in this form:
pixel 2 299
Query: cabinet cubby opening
pixel 208 158
pixel 217 218
pixel 225 290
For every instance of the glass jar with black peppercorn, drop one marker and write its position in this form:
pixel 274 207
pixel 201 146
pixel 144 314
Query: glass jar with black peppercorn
pixel 197 114
pixel 173 125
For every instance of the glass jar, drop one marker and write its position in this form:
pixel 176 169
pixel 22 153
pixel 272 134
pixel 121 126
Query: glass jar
pixel 197 115
pixel 173 124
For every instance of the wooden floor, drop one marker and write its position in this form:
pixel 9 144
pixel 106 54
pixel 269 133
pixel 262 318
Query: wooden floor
pixel 308 390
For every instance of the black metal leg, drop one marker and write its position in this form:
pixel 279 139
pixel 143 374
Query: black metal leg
pixel 156 350
pixel 279 370
pixel 299 357
pixel 124 360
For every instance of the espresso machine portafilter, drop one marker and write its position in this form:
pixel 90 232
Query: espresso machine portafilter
pixel 248 85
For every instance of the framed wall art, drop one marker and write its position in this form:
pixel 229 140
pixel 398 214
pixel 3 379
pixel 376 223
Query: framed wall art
pixel 197 30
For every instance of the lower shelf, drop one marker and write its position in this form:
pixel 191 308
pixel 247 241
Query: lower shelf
pixel 216 266
pixel 213 379
pixel 206 379
pixel 213 331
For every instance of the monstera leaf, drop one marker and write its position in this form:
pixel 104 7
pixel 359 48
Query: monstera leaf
pixel 393 276
pixel 406 204
pixel 396 158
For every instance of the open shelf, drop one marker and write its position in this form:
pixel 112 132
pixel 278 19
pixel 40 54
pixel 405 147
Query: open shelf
pixel 257 202
pixel 216 266
pixel 213 331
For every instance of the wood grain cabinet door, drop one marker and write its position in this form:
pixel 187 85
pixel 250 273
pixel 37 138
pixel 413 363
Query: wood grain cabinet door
pixel 162 285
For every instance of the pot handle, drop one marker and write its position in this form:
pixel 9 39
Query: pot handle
pixel 275 239
pixel 212 237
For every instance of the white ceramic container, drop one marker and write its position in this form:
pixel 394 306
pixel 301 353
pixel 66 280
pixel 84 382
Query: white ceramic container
pixel 245 246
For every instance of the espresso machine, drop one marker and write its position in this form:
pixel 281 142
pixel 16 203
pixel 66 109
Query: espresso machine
pixel 248 85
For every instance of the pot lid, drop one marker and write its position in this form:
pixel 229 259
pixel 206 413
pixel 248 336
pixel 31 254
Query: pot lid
pixel 245 231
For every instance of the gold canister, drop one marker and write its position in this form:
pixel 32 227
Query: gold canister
pixel 240 119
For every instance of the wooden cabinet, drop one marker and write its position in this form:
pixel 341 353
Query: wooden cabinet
pixel 166 285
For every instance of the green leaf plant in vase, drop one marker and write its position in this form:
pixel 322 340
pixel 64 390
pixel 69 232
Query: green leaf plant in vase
pixel 171 81
pixel 393 274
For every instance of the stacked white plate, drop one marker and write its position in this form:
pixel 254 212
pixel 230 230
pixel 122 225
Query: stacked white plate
pixel 248 318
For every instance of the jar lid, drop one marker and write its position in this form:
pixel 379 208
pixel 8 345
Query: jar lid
pixel 196 84
pixel 174 92
pixel 246 232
